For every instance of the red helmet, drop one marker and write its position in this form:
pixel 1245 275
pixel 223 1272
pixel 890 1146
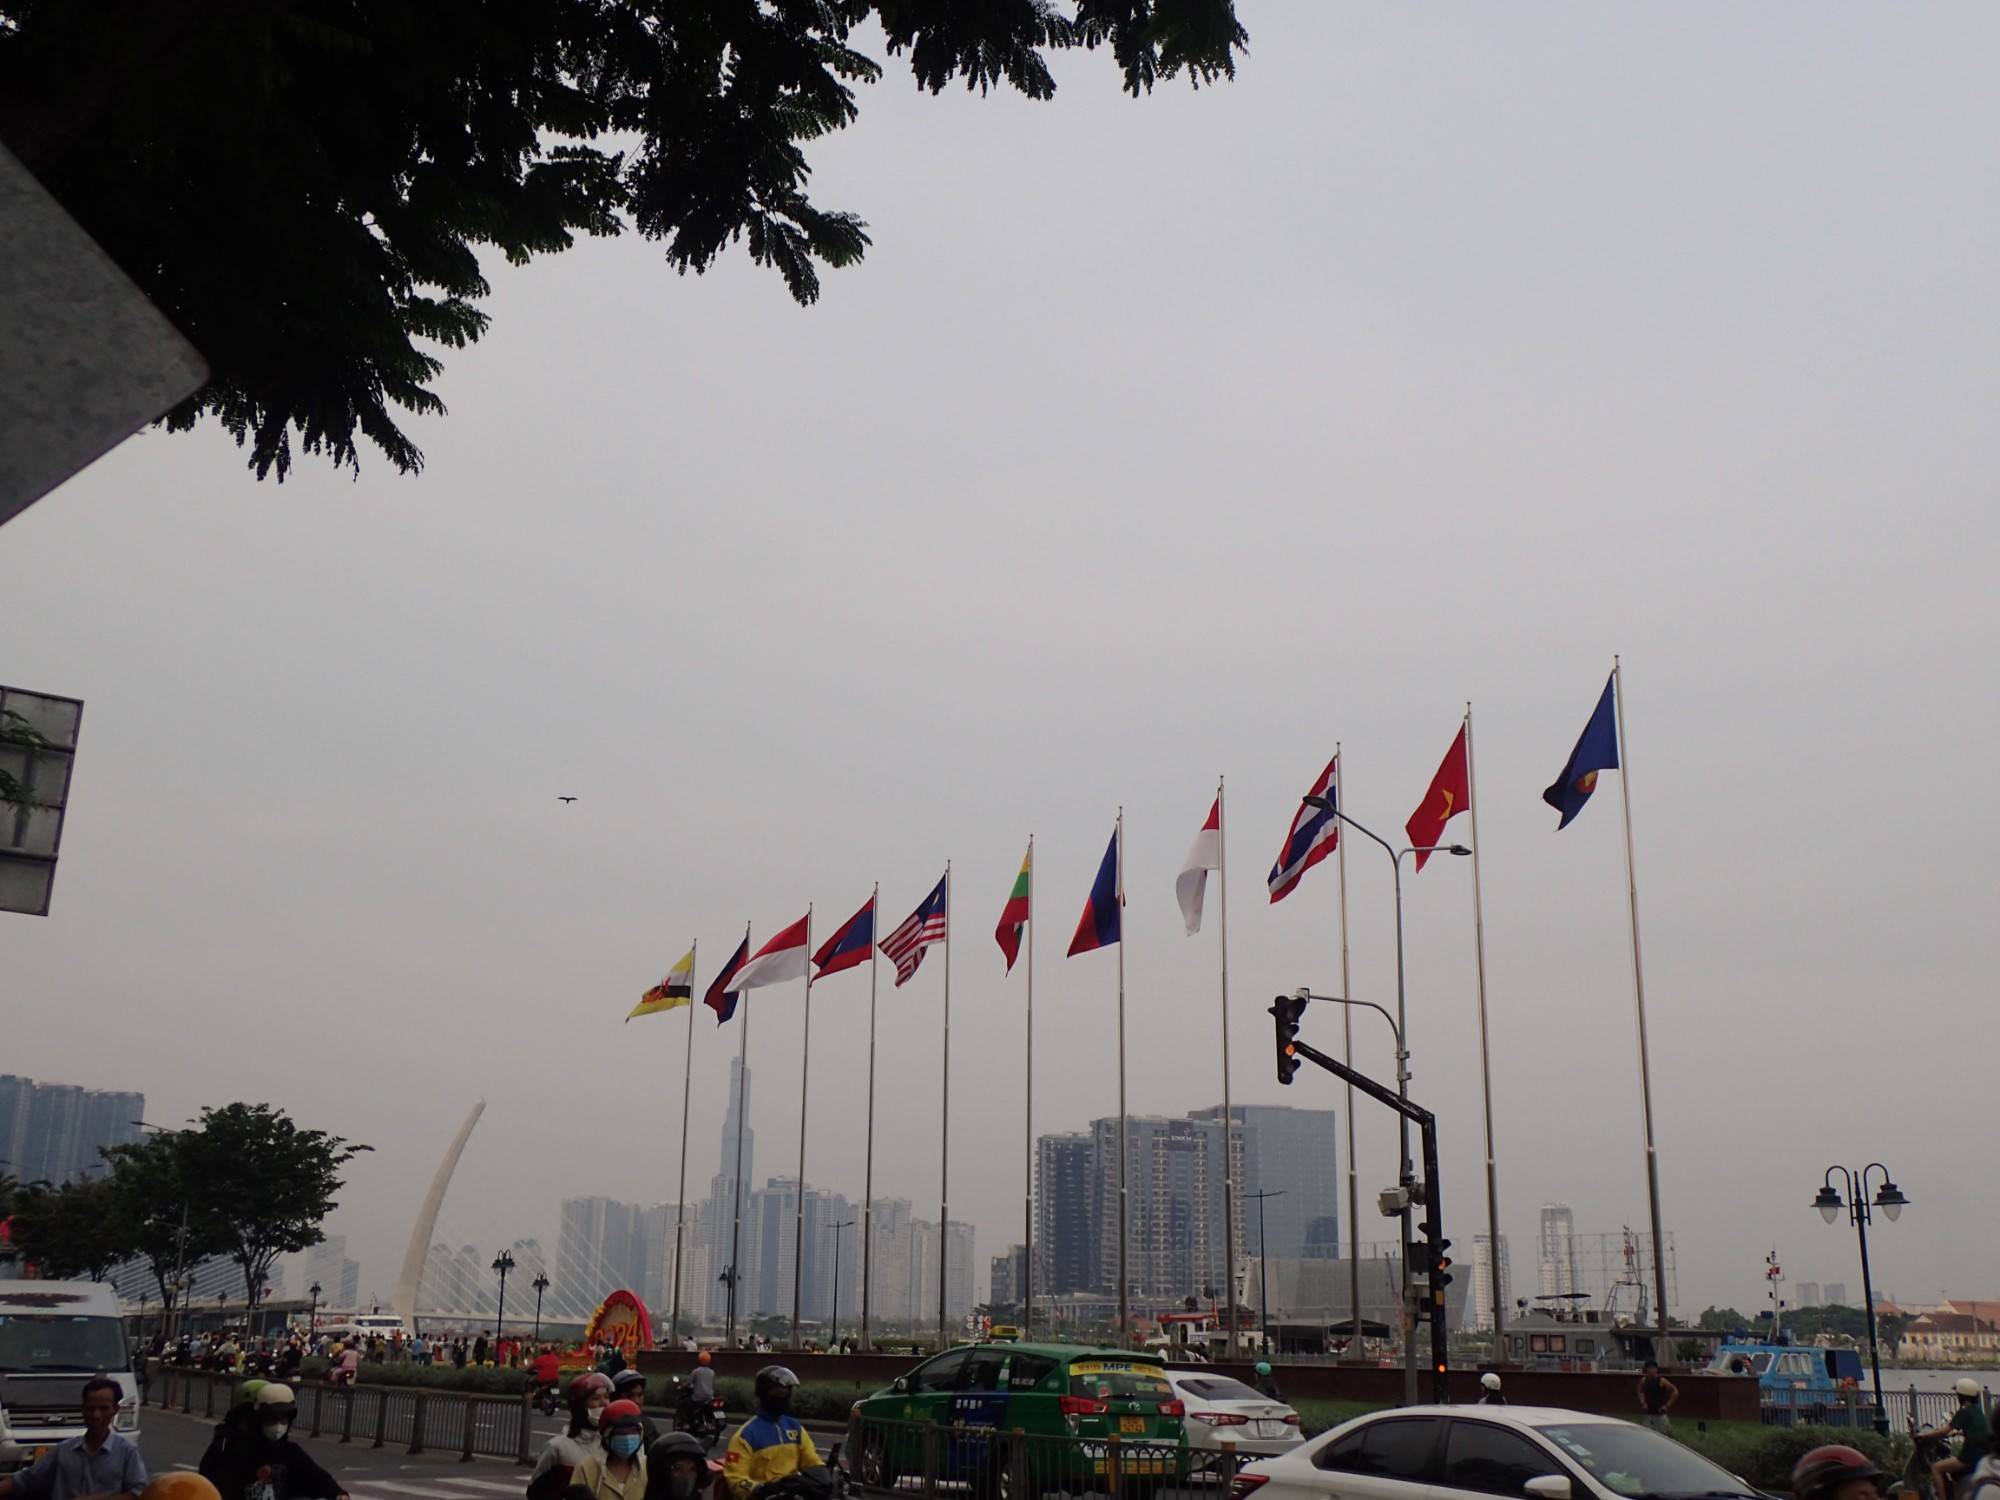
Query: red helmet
pixel 621 1413
pixel 703 1358
pixel 583 1387
pixel 1824 1470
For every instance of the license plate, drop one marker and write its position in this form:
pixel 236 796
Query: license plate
pixel 1270 1429
pixel 1131 1424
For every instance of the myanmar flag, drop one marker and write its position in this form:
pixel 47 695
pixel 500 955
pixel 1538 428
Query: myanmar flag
pixel 1014 915
pixel 676 990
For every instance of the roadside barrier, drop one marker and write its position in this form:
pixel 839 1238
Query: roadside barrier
pixel 382 1416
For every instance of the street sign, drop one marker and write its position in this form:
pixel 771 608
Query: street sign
pixel 37 751
pixel 86 360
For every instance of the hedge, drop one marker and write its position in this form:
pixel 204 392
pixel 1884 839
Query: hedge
pixel 1764 1456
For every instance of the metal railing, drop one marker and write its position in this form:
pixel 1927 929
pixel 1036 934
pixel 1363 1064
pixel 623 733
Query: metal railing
pixel 382 1416
pixel 1856 1407
pixel 995 1463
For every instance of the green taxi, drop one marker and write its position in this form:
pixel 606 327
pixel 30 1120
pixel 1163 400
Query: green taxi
pixel 1019 1420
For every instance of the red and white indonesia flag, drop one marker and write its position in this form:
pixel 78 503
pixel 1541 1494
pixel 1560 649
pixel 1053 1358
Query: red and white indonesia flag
pixel 784 957
pixel 1192 883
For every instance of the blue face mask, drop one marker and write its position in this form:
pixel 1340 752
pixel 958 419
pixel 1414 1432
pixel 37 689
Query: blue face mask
pixel 624 1444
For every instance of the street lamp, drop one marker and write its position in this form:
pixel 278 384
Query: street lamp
pixel 1264 1266
pixel 312 1317
pixel 833 1338
pixel 540 1284
pixel 1889 1198
pixel 1408 1174
pixel 503 1263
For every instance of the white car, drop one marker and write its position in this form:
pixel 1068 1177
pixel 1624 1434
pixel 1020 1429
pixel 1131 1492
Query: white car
pixel 1221 1410
pixel 1444 1452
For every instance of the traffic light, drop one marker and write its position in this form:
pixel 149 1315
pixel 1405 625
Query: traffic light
pixel 1432 1262
pixel 1286 1010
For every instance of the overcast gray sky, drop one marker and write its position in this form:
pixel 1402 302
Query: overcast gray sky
pixel 1447 351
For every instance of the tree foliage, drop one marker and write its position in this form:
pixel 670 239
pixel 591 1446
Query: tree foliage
pixel 304 186
pixel 79 1231
pixel 259 1185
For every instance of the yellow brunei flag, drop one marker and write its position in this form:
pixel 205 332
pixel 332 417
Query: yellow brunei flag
pixel 676 990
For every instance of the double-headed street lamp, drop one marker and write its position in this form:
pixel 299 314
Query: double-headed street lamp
pixel 1408 1171
pixel 503 1263
pixel 540 1284
pixel 1263 1268
pixel 1889 1198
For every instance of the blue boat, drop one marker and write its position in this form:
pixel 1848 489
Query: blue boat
pixel 1799 1385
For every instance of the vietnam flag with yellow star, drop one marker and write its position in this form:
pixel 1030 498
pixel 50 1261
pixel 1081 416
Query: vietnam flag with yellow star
pixel 1450 795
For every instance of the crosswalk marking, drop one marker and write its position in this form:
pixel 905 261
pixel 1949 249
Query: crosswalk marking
pixel 404 1487
pixel 498 1485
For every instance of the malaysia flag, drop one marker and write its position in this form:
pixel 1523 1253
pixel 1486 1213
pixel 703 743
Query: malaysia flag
pixel 1315 833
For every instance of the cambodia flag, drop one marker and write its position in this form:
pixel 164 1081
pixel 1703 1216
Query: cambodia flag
pixel 1596 751
pixel 850 946
pixel 1100 927
pixel 720 997
pixel 1450 795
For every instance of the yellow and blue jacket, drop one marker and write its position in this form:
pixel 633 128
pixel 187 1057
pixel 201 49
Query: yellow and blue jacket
pixel 764 1450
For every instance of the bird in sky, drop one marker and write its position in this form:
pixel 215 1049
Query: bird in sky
pixel 565 799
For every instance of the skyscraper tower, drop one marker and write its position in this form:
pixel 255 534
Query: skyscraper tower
pixel 1556 1263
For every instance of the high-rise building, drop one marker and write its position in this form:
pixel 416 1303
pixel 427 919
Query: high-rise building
pixel 54 1132
pixel 1174 1194
pixel 1008 1277
pixel 1482 1281
pixel 338 1277
pixel 1066 1216
pixel 1293 1152
pixel 1804 1294
pixel 1836 1294
pixel 607 1246
pixel 1556 1261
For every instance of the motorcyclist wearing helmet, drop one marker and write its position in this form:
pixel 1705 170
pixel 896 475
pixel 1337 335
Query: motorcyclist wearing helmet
pixel 588 1395
pixel 1267 1383
pixel 678 1468
pixel 1836 1472
pixel 619 1471
pixel 699 1391
pixel 772 1445
pixel 261 1462
pixel 1489 1391
pixel 1969 1421
pixel 630 1385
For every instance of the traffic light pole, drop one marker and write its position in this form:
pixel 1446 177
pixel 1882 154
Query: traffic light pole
pixel 1426 1124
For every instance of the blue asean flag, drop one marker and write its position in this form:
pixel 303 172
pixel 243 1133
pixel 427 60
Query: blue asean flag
pixel 851 945
pixel 1596 750
pixel 1099 927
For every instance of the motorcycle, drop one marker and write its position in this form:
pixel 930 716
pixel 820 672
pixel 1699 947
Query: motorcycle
pixel 1914 1483
pixel 704 1420
pixel 546 1399
pixel 827 1481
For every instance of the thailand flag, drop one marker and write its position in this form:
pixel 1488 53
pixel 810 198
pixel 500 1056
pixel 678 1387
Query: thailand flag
pixel 784 957
pixel 1315 832
pixel 849 946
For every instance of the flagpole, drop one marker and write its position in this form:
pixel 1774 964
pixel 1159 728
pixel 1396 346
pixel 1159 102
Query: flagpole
pixel 1118 900
pixel 680 1203
pixel 868 1170
pixel 1228 1114
pixel 1485 1056
pixel 1028 1118
pixel 1347 1025
pixel 736 1190
pixel 1661 1353
pixel 805 1075
pixel 944 1142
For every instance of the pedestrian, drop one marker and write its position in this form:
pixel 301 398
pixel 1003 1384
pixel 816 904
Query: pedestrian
pixel 619 1471
pixel 350 1364
pixel 98 1465
pixel 264 1463
pixel 1969 1421
pixel 563 1454
pixel 1657 1395
pixel 479 1350
pixel 458 1352
pixel 1489 1391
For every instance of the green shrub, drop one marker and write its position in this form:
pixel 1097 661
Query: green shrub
pixel 1764 1456
pixel 1316 1417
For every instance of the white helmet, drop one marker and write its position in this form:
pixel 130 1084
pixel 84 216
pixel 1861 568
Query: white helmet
pixel 1966 1386
pixel 1490 1381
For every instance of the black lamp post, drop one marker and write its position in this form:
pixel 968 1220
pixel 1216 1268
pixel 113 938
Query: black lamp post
pixel 1264 1266
pixel 1889 1198
pixel 540 1284
pixel 312 1316
pixel 503 1263
pixel 833 1338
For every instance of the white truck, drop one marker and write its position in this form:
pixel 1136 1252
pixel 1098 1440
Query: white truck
pixel 55 1335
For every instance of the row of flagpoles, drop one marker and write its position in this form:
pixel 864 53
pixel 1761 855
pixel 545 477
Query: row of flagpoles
pixel 1311 838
